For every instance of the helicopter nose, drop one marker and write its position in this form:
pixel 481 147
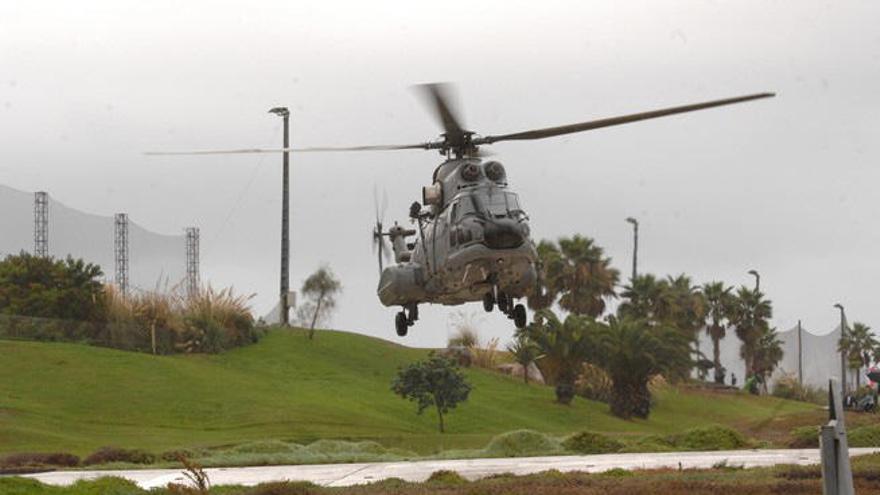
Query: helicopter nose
pixel 502 234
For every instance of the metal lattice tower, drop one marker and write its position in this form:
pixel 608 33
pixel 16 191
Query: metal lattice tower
pixel 121 251
pixel 192 261
pixel 41 224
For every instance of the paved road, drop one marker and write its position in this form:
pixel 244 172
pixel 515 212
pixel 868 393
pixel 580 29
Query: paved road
pixel 353 474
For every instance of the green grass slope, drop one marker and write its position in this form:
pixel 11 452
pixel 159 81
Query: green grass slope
pixel 76 398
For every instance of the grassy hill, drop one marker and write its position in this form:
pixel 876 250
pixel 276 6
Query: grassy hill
pixel 76 398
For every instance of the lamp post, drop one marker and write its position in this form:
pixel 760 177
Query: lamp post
pixel 635 224
pixel 757 279
pixel 842 352
pixel 284 306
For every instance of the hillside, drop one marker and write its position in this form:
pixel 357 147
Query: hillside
pixel 68 397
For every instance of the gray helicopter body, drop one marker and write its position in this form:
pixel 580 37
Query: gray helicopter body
pixel 472 241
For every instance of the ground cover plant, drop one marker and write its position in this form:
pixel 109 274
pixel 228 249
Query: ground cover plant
pixel 789 480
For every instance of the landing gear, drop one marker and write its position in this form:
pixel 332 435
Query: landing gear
pixel 519 316
pixel 400 324
pixel 402 321
pixel 489 302
pixel 503 302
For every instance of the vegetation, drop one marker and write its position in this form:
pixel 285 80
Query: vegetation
pixel 750 315
pixel 319 292
pixel 564 346
pixel 336 388
pixel 577 273
pixel 435 382
pixel 723 478
pixel 588 442
pixel 51 288
pixel 719 305
pixel 524 352
pixel 860 345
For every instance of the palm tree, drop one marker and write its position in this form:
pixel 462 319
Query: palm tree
pixel 577 271
pixel 685 306
pixel 632 351
pixel 564 347
pixel 719 305
pixel 643 297
pixel 750 315
pixel 767 355
pixel 524 352
pixel 858 344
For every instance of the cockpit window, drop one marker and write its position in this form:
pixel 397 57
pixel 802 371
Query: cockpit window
pixel 502 204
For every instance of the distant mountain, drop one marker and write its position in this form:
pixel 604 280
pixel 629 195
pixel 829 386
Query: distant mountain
pixel 154 259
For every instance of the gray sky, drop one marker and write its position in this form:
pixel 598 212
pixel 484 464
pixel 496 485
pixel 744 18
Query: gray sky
pixel 786 186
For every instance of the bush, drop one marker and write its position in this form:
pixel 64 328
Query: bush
pixel 787 387
pixel 594 384
pixel 715 437
pixel 648 443
pixel 18 463
pixel 521 443
pixel 446 477
pixel 106 455
pixel 285 488
pixel 864 436
pixel 587 442
pixel 804 437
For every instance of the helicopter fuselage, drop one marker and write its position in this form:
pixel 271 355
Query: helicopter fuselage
pixel 472 240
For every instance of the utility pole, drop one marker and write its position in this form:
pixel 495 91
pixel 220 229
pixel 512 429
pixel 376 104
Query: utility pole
pixel 842 351
pixel 284 113
pixel 635 224
pixel 757 279
pixel 121 252
pixel 800 354
pixel 41 224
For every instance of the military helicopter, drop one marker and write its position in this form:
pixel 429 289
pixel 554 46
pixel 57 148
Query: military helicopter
pixel 471 240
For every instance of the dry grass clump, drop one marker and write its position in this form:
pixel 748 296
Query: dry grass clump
pixel 107 455
pixel 468 337
pixel 36 461
pixel 168 322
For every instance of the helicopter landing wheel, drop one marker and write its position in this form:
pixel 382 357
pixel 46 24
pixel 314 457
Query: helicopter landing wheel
pixel 488 302
pixel 413 314
pixel 503 302
pixel 519 316
pixel 401 324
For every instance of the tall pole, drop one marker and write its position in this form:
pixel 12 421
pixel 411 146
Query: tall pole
pixel 284 113
pixel 757 279
pixel 800 354
pixel 842 351
pixel 635 224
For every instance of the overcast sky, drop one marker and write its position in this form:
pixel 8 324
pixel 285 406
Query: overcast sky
pixel 786 186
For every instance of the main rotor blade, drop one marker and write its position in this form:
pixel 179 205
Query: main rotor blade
pixel 626 119
pixel 244 151
pixel 439 96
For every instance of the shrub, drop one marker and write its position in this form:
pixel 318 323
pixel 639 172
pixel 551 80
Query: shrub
pixel 587 442
pixel 787 387
pixel 522 443
pixel 284 488
pixel 618 473
pixel 106 455
pixel 446 477
pixel 864 436
pixel 804 437
pixel 714 437
pixel 15 462
pixel 648 443
pixel 594 384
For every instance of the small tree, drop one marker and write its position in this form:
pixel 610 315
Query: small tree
pixel 436 382
pixel 524 352
pixel 319 291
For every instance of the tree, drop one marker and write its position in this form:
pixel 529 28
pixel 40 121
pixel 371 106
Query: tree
pixel 632 351
pixel 859 345
pixel 750 315
pixel 767 354
pixel 524 352
pixel 319 291
pixel 578 273
pixel 51 288
pixel 564 347
pixel 719 306
pixel 436 382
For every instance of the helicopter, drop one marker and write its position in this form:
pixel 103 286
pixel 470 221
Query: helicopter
pixel 470 237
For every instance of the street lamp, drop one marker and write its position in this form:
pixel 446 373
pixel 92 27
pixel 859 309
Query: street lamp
pixel 635 224
pixel 842 352
pixel 284 113
pixel 757 279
